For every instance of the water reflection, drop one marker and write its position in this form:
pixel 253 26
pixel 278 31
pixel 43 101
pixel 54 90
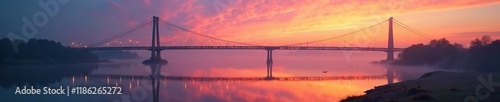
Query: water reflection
pixel 41 75
pixel 155 77
pixel 165 87
pixel 174 82
pixel 390 75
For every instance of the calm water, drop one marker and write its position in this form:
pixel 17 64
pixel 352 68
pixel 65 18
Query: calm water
pixel 139 84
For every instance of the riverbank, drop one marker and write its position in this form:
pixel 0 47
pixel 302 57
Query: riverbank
pixel 432 87
pixel 47 62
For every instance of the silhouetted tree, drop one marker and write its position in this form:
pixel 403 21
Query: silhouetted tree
pixel 6 50
pixel 485 40
pixel 484 55
pixel 430 54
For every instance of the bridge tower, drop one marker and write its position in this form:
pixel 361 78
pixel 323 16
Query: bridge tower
pixel 155 44
pixel 390 46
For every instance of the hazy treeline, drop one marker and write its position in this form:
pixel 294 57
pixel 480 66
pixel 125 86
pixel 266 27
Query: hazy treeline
pixel 483 55
pixel 41 51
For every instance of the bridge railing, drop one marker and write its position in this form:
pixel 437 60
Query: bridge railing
pixel 241 48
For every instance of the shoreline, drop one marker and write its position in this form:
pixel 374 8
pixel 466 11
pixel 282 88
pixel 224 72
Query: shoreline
pixel 435 86
pixel 38 62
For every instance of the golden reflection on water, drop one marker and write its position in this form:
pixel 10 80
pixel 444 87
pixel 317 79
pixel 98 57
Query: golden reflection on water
pixel 273 90
pixel 283 90
pixel 329 90
pixel 86 79
pixel 130 85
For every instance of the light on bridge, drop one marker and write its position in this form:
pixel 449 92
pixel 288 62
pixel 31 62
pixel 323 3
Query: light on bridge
pixel 73 44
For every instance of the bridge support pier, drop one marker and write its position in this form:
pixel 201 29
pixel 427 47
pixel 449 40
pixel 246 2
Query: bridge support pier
pixel 155 44
pixel 156 59
pixel 269 64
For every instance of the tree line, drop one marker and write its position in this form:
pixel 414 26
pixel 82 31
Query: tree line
pixel 42 51
pixel 483 55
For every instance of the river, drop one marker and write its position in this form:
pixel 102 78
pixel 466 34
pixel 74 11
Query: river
pixel 138 82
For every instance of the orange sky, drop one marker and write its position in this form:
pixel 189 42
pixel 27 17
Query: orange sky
pixel 271 22
pixel 280 22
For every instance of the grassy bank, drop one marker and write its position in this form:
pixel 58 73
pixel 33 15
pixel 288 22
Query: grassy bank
pixel 433 87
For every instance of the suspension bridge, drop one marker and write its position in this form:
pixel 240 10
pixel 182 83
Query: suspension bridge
pixel 146 36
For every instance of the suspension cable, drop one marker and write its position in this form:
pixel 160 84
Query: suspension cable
pixel 121 33
pixel 193 32
pixel 413 30
pixel 336 36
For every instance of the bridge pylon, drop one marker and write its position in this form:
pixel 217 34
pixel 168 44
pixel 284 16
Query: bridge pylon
pixel 390 44
pixel 155 45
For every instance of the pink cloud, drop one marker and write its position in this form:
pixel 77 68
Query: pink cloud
pixel 246 21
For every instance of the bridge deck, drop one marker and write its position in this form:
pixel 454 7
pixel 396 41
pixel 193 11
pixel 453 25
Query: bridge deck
pixel 241 48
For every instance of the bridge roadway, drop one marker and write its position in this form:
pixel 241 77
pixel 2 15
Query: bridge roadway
pixel 181 78
pixel 241 48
